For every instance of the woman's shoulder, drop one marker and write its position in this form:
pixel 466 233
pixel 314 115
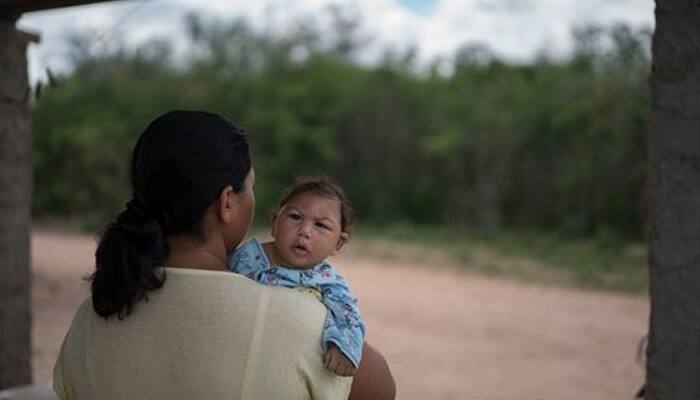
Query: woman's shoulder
pixel 225 301
pixel 235 291
pixel 216 320
pixel 291 322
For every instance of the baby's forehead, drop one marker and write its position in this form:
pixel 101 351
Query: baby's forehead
pixel 313 196
pixel 315 201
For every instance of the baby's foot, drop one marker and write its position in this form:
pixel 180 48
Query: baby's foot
pixel 336 362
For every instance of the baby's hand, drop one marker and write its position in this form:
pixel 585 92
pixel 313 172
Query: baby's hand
pixel 337 363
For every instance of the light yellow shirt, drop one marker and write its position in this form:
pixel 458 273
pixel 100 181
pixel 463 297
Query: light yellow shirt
pixel 204 335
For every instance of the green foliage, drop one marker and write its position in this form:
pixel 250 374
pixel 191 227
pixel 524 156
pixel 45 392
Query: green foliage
pixel 548 145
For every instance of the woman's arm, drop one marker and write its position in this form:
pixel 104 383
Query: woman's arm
pixel 373 380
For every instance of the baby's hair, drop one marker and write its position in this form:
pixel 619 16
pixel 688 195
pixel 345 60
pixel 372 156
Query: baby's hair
pixel 325 186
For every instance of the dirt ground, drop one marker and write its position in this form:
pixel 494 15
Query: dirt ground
pixel 447 334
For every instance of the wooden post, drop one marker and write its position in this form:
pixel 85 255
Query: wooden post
pixel 15 208
pixel 673 353
pixel 15 190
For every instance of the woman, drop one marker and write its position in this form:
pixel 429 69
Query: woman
pixel 190 329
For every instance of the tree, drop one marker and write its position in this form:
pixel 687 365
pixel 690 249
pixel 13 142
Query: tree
pixel 673 353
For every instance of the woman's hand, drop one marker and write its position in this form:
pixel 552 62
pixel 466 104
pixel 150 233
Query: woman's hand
pixel 373 380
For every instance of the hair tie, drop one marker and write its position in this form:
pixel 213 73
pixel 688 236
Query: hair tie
pixel 135 207
pixel 162 217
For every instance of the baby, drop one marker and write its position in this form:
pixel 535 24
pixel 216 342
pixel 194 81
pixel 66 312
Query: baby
pixel 311 223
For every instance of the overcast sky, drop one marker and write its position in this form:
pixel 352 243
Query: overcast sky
pixel 513 29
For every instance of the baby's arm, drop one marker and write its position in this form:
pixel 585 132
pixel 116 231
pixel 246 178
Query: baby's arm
pixel 344 329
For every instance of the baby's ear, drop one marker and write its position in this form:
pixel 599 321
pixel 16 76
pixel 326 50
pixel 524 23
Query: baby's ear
pixel 342 240
pixel 273 217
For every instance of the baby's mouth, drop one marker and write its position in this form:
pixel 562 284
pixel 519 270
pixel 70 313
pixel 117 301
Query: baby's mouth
pixel 300 249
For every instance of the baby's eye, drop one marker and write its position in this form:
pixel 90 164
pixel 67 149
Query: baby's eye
pixel 294 216
pixel 323 226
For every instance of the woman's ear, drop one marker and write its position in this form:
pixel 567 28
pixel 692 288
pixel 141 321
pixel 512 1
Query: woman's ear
pixel 227 204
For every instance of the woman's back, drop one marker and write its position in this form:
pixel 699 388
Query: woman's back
pixel 205 334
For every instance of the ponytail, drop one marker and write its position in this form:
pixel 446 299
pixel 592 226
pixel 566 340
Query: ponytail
pixel 180 164
pixel 126 260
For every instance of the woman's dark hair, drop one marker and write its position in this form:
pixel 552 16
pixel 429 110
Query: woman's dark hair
pixel 325 186
pixel 180 164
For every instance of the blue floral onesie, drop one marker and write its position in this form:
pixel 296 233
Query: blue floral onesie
pixel 343 326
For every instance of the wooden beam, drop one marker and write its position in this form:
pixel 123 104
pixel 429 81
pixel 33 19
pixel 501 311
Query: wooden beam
pixel 673 352
pixel 16 190
pixel 15 211
pixel 12 9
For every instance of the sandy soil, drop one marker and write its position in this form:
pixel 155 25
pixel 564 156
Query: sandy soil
pixel 446 333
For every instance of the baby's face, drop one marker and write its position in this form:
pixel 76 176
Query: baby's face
pixel 307 229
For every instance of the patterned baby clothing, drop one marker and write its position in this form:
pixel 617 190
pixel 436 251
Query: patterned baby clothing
pixel 343 326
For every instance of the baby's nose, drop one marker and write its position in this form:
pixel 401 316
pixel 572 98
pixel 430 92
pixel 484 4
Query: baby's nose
pixel 305 229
